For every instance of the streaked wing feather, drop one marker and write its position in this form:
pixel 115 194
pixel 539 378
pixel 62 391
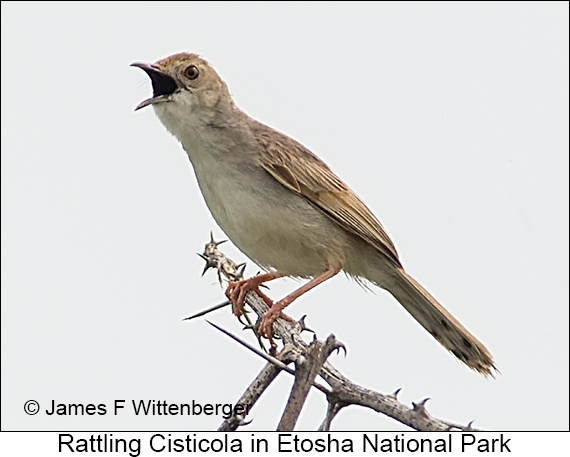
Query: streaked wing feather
pixel 301 171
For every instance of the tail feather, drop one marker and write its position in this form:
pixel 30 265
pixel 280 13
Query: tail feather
pixel 442 325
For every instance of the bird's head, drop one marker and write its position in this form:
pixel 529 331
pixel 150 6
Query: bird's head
pixel 186 89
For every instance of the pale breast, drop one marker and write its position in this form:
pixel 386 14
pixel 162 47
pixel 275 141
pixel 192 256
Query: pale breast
pixel 270 224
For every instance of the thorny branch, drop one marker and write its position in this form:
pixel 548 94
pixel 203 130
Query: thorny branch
pixel 310 360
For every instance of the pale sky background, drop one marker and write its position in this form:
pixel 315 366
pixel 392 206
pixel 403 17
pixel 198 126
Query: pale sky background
pixel 449 120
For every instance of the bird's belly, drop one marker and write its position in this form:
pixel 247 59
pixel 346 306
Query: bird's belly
pixel 273 226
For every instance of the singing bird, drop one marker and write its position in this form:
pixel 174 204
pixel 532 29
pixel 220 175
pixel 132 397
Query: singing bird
pixel 283 206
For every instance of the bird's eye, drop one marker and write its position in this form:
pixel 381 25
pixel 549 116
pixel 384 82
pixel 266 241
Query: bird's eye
pixel 191 72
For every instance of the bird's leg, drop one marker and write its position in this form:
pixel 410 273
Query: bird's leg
pixel 275 312
pixel 237 290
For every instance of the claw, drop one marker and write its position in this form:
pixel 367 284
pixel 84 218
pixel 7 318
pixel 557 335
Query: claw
pixel 238 290
pixel 266 326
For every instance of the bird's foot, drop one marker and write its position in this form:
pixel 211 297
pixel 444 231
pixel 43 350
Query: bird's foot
pixel 237 291
pixel 274 313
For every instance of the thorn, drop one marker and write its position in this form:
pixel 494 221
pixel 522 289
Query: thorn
pixel 422 403
pixel 209 263
pixel 303 325
pixel 420 407
pixel 332 344
pixel 269 358
pixel 255 327
pixel 265 286
pixel 339 347
pixel 214 242
pixel 469 425
pixel 202 313
pixel 242 422
pixel 240 271
pixel 395 394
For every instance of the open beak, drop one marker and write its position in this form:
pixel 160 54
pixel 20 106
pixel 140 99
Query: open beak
pixel 163 85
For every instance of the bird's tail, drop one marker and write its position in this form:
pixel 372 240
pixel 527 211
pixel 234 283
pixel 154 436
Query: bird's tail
pixel 441 324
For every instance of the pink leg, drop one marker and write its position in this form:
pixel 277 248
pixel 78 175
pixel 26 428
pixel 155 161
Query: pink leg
pixel 237 291
pixel 275 312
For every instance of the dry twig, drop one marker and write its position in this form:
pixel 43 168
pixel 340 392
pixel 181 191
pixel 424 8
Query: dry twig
pixel 310 360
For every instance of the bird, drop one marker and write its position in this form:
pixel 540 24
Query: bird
pixel 283 207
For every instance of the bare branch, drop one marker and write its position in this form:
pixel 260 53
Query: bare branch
pixel 250 396
pixel 307 368
pixel 342 392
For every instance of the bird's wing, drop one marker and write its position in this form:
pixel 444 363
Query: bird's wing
pixel 302 172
